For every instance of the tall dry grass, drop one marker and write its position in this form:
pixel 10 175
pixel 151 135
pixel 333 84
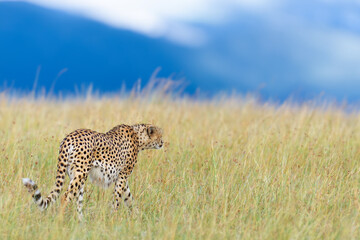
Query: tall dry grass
pixel 232 168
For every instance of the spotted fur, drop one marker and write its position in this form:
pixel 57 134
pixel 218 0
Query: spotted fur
pixel 105 158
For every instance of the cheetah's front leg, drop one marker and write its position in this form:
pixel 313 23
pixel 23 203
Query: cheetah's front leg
pixel 127 197
pixel 122 191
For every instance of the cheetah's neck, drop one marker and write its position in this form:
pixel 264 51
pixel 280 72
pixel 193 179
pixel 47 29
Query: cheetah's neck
pixel 140 130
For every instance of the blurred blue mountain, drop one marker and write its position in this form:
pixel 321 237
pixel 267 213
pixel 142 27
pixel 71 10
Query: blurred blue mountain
pixel 83 50
pixel 69 51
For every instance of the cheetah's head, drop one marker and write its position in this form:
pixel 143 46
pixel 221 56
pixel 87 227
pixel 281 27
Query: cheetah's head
pixel 150 136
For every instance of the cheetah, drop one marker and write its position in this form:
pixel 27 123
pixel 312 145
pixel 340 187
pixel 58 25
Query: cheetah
pixel 105 158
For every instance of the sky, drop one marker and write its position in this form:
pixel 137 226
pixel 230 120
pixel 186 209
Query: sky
pixel 331 28
pixel 321 37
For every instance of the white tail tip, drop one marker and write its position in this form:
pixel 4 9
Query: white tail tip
pixel 28 181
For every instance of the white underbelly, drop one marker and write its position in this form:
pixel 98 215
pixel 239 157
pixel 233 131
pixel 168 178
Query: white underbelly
pixel 101 178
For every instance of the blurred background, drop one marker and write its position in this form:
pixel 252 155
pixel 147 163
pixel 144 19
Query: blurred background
pixel 275 49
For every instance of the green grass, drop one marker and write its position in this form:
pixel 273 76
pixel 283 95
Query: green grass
pixel 231 168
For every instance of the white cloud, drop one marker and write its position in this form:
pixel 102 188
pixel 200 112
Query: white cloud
pixel 326 53
pixel 156 18
pixel 322 38
pixel 339 57
pixel 258 4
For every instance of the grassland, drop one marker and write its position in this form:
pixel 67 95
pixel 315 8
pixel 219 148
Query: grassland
pixel 232 169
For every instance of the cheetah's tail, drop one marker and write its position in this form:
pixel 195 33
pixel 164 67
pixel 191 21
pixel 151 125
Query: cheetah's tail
pixel 54 194
pixel 36 194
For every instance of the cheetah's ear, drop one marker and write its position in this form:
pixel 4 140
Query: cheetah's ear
pixel 151 131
